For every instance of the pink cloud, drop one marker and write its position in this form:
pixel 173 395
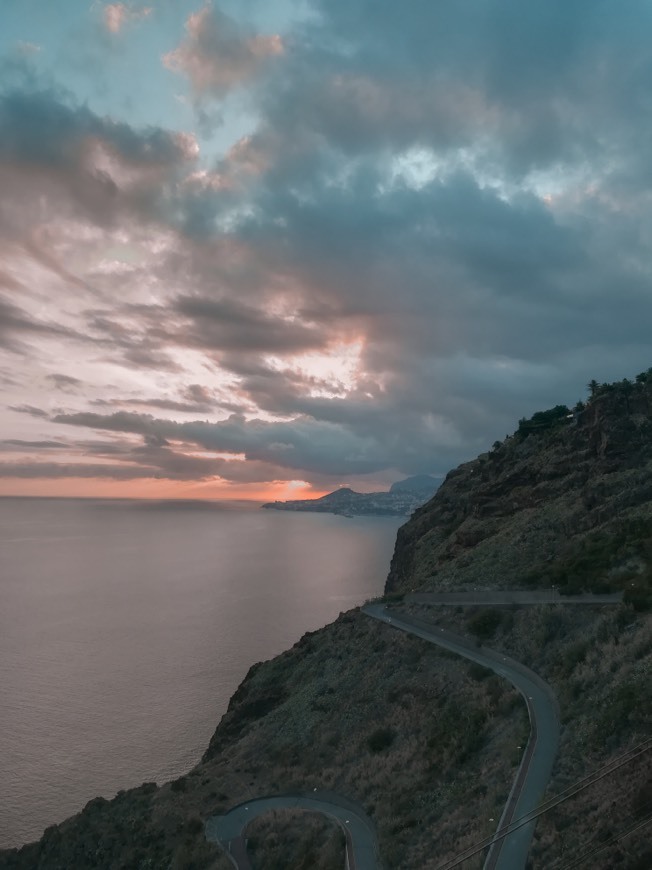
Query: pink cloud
pixel 116 15
pixel 217 54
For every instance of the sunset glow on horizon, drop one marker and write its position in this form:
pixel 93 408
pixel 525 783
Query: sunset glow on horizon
pixel 157 489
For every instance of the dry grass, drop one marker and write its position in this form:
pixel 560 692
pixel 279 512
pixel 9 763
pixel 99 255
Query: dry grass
pixel 431 792
pixel 599 662
pixel 292 838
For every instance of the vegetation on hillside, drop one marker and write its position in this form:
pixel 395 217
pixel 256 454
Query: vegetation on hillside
pixel 599 662
pixel 292 838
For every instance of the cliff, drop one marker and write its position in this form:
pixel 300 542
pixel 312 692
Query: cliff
pixel 427 743
pixel 568 504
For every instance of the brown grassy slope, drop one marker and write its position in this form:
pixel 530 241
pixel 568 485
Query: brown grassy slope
pixel 384 719
pixel 599 662
pixel 292 838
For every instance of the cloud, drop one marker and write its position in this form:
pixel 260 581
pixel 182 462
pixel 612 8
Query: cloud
pixel 229 325
pixel 30 410
pixel 154 459
pixel 435 221
pixel 304 443
pixel 65 383
pixel 116 15
pixel 80 166
pixel 195 399
pixel 14 444
pixel 13 320
pixel 28 48
pixel 40 127
pixel 63 470
pixel 218 55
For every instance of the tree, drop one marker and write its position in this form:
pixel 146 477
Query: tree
pixel 627 388
pixel 593 387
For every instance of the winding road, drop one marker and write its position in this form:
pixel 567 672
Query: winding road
pixel 510 845
pixel 507 852
pixel 361 846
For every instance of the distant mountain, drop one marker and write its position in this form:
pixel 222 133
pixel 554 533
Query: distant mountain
pixel 403 498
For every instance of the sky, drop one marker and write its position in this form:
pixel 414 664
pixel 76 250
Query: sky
pixel 266 248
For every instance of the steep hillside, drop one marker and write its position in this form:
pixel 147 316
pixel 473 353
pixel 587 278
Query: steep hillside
pixel 425 742
pixel 566 500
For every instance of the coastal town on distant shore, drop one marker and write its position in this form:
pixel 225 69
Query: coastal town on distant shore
pixel 402 499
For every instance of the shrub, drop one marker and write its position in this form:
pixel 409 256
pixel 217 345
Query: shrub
pixel 484 623
pixel 479 672
pixel 381 738
pixel 639 596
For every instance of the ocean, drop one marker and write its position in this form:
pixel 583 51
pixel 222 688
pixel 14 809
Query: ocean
pixel 126 626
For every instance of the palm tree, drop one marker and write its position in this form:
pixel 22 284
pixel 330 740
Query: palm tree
pixel 593 387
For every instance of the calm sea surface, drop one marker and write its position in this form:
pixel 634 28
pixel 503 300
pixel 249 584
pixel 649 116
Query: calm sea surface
pixel 125 627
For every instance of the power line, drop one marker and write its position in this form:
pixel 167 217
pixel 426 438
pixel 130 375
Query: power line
pixel 564 795
pixel 610 842
pixel 598 848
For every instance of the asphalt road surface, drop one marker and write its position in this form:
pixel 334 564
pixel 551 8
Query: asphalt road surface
pixel 509 596
pixel 362 849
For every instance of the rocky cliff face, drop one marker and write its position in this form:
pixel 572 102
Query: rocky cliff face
pixel 546 494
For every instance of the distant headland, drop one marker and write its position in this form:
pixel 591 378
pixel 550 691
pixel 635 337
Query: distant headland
pixel 403 497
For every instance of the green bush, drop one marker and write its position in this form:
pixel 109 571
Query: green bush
pixel 543 420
